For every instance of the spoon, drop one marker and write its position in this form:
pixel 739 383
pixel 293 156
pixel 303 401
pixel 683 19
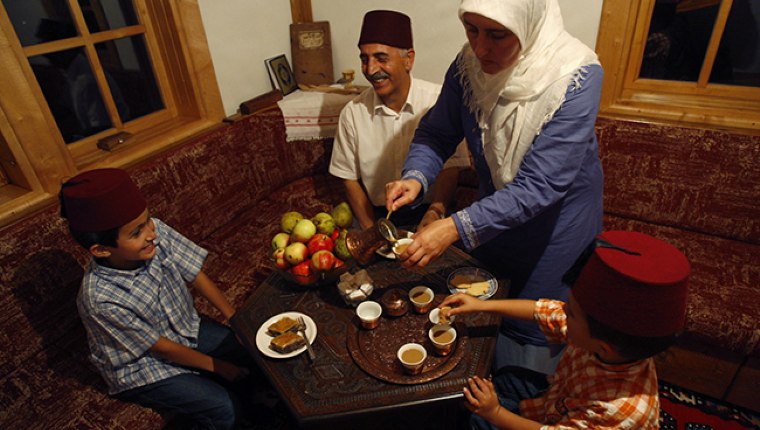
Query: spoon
pixel 387 230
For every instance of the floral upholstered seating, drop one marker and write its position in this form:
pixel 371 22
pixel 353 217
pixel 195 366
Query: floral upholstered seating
pixel 225 189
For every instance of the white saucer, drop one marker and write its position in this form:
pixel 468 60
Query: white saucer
pixel 263 338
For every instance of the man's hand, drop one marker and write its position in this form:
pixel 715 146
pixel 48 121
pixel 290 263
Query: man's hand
pixel 229 371
pixel 481 398
pixel 400 193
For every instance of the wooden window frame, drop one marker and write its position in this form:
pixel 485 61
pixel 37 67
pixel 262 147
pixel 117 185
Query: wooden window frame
pixel 620 44
pixel 35 163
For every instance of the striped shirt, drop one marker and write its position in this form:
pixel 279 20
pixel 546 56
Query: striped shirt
pixel 588 393
pixel 125 311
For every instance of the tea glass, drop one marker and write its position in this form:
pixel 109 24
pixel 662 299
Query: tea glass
pixel 369 313
pixel 412 356
pixel 400 245
pixel 422 298
pixel 443 337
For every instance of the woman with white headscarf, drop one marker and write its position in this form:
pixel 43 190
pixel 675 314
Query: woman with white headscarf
pixel 525 94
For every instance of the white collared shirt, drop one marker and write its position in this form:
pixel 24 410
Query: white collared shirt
pixel 373 140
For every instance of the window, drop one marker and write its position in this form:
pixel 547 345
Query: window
pixel 76 72
pixel 684 61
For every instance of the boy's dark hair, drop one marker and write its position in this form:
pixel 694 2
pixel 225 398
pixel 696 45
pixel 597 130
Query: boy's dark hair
pixel 87 239
pixel 629 346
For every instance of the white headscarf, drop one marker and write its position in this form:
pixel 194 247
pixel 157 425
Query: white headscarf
pixel 513 105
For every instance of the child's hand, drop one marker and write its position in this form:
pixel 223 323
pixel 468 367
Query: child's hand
pixel 481 398
pixel 229 371
pixel 461 303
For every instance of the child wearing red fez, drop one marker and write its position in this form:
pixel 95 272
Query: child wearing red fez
pixel 145 336
pixel 626 305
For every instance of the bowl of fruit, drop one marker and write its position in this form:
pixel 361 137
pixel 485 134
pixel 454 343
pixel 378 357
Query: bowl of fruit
pixel 312 251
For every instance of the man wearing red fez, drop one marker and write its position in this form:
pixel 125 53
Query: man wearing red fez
pixel 627 303
pixel 145 336
pixel 376 128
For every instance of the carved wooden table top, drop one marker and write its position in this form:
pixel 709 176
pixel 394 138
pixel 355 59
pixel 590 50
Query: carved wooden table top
pixel 334 385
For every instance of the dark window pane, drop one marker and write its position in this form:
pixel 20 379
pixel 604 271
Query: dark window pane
pixel 130 77
pixel 677 40
pixel 38 21
pixel 738 61
pixel 102 15
pixel 72 93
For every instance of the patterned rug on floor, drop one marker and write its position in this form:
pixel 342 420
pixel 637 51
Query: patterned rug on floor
pixel 682 409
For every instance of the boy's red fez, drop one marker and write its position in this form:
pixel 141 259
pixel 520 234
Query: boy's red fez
pixel 101 199
pixel 639 290
pixel 386 27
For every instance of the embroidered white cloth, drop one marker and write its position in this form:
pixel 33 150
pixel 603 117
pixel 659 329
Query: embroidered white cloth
pixel 312 115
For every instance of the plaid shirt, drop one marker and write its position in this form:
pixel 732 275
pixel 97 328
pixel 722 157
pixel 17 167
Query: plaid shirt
pixel 588 393
pixel 125 311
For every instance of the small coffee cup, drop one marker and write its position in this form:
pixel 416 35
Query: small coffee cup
pixel 422 298
pixel 412 356
pixel 443 337
pixel 400 245
pixel 369 313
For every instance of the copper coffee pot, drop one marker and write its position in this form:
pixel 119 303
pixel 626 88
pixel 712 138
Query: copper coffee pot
pixel 362 245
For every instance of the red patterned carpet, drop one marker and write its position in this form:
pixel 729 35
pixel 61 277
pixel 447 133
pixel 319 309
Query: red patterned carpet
pixel 682 409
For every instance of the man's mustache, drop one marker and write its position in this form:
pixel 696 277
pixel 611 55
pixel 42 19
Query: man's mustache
pixel 377 76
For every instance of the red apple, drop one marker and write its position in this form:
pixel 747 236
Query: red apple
pixel 279 259
pixel 296 252
pixel 319 242
pixel 338 263
pixel 303 274
pixel 322 260
pixel 335 234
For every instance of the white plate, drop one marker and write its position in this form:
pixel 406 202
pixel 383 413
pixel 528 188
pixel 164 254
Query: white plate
pixel 263 338
pixel 387 252
pixel 493 285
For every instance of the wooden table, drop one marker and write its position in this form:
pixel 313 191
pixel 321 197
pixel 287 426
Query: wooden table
pixel 333 389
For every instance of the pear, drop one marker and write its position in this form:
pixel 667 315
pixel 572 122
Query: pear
pixel 340 249
pixel 289 221
pixel 342 215
pixel 324 222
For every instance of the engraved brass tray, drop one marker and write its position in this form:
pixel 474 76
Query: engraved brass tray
pixel 374 351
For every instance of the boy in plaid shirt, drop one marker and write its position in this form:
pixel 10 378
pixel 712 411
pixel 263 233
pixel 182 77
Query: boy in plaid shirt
pixel 146 338
pixel 627 305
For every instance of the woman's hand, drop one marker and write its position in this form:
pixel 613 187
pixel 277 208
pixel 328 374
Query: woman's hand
pixel 400 193
pixel 481 398
pixel 429 243
pixel 461 303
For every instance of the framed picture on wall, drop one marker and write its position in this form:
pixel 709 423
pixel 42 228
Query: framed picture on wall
pixel 281 74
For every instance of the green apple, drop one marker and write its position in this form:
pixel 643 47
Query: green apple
pixel 324 222
pixel 295 253
pixel 280 240
pixel 342 215
pixel 303 231
pixel 289 221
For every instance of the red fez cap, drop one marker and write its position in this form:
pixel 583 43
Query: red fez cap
pixel 635 283
pixel 101 199
pixel 387 27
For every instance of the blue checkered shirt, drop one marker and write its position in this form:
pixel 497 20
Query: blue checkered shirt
pixel 125 311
